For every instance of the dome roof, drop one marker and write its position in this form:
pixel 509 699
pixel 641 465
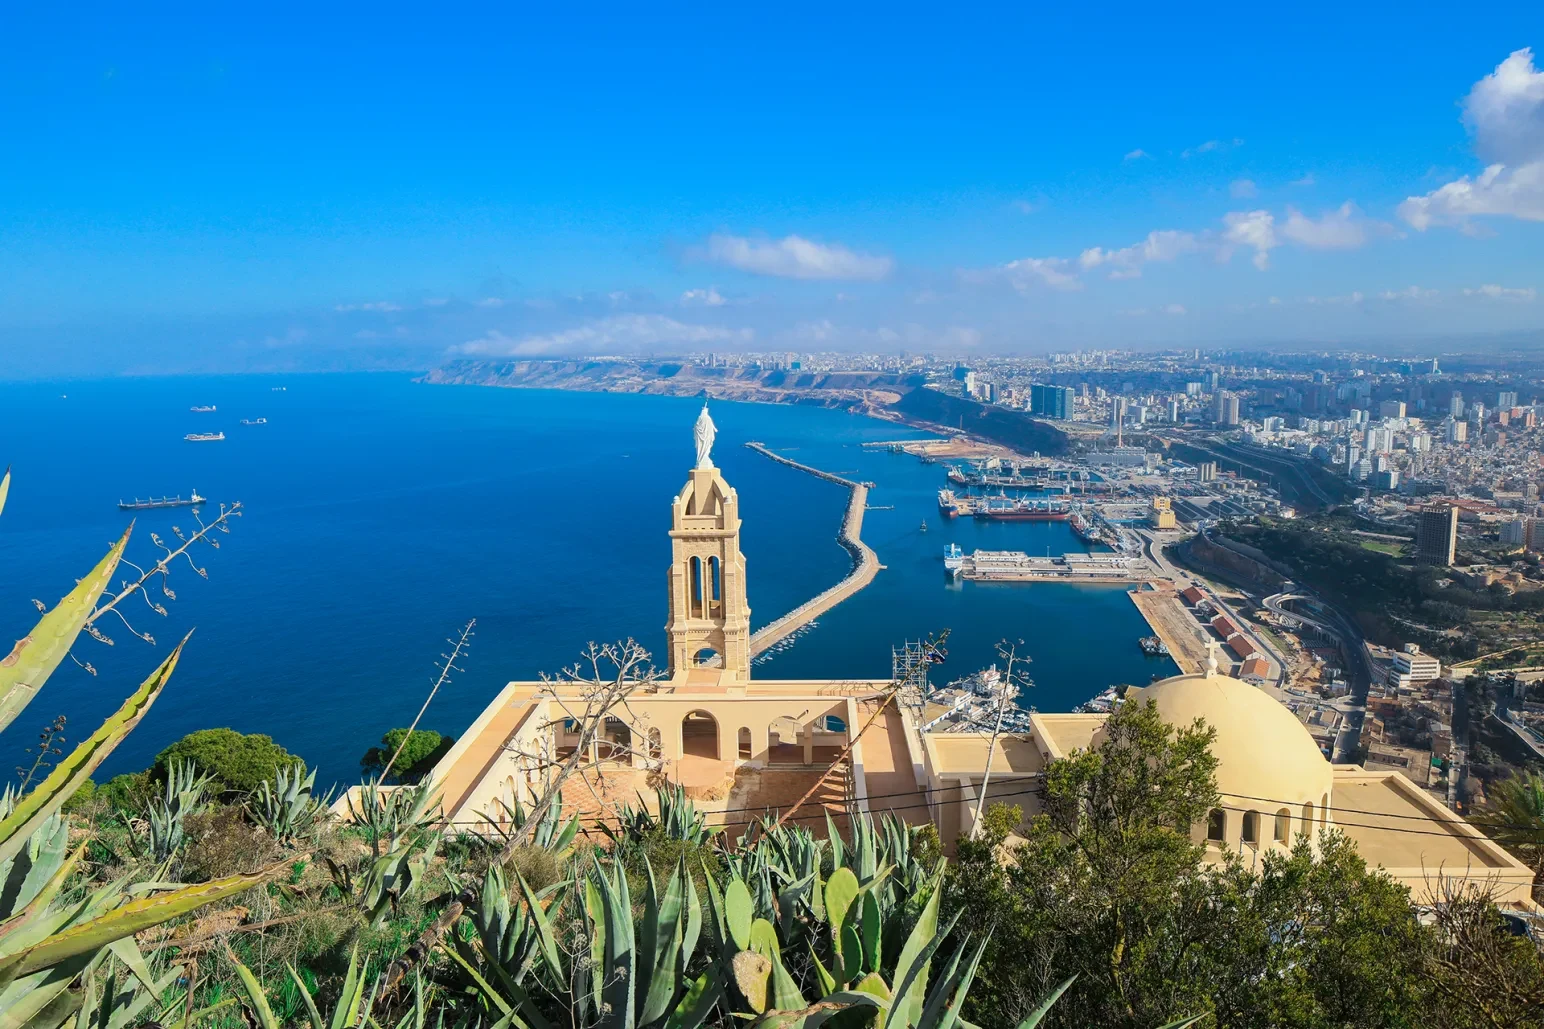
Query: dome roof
pixel 1263 752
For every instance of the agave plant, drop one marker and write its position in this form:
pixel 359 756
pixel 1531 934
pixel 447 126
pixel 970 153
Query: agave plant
pixel 51 940
pixel 402 824
pixel 678 819
pixel 550 834
pixel 612 970
pixel 286 807
pixel 353 1007
pixel 186 793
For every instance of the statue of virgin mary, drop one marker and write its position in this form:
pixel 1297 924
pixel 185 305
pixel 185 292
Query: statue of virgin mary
pixel 703 432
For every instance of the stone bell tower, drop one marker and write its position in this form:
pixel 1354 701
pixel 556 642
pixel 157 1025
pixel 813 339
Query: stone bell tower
pixel 710 622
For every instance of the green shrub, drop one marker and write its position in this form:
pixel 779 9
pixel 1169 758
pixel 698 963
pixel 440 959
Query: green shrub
pixel 423 751
pixel 238 762
pixel 129 792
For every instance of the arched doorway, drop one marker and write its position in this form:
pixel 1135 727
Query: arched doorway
pixel 699 735
pixel 784 747
pixel 745 750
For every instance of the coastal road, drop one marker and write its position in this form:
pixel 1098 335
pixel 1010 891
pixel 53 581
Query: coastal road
pixel 1358 668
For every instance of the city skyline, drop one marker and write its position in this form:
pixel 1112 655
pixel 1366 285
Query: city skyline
pixel 222 195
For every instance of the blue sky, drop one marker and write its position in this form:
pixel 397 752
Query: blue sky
pixel 370 186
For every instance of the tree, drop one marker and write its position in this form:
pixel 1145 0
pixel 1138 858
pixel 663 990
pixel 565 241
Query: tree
pixel 239 762
pixel 1514 816
pixel 421 752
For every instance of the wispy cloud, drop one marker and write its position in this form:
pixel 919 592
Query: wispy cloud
pixel 1494 292
pixel 1127 262
pixel 1408 293
pixel 1029 272
pixel 384 306
pixel 1255 230
pixel 794 257
pixel 1341 229
pixel 1306 180
pixel 1242 189
pixel 624 332
pixel 1137 155
pixel 1505 113
pixel 1209 146
pixel 709 297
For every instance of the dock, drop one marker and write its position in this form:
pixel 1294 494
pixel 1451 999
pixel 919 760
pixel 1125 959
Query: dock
pixel 1172 623
pixel 865 562
pixel 1017 566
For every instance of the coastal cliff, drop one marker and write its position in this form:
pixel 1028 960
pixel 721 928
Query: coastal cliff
pixel 858 390
pixel 895 396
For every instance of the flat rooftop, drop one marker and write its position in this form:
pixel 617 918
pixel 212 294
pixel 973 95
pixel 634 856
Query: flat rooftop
pixel 966 753
pixel 1392 827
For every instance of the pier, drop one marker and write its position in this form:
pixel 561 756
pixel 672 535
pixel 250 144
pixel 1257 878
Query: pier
pixel 865 563
pixel 1017 566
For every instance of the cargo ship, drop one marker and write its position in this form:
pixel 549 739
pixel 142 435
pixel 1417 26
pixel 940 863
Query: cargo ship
pixel 157 502
pixel 202 409
pixel 204 437
pixel 1003 507
pixel 254 421
pixel 954 559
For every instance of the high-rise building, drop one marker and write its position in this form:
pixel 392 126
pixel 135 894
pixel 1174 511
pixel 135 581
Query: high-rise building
pixel 1456 405
pixel 1457 432
pixel 1515 532
pixel 1174 411
pixel 1506 399
pixel 1391 409
pixel 1436 535
pixel 1213 380
pixel 1052 401
pixel 1207 471
pixel 1230 409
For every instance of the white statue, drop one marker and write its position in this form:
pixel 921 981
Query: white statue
pixel 703 432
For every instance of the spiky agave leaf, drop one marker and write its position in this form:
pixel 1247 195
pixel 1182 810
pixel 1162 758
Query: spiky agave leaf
pixel 43 802
pixel 37 654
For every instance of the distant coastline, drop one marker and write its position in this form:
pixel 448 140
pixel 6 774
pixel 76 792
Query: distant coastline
pixel 898 397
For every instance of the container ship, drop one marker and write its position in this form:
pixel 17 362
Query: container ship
pixel 204 437
pixel 156 502
pixel 202 408
pixel 254 421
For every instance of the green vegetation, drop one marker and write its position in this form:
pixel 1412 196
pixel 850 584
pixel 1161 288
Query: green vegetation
pixel 1393 601
pixel 238 763
pixel 1383 547
pixel 418 757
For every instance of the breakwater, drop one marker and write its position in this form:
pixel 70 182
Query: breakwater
pixel 865 563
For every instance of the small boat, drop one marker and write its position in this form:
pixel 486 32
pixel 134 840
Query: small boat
pixel 254 421
pixel 204 437
pixel 924 526
pixel 278 389
pixel 157 502
pixel 202 408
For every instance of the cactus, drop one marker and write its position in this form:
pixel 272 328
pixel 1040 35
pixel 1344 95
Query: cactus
pixel 286 807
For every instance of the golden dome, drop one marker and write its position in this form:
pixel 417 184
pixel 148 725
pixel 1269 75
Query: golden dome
pixel 1265 757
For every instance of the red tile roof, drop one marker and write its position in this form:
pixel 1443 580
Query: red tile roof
pixel 1224 626
pixel 1241 647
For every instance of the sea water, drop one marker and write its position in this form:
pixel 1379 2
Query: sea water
pixel 380 515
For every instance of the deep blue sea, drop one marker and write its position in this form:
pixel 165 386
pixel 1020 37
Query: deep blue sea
pixel 381 514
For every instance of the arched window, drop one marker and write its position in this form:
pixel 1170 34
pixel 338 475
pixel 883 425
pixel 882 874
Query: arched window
pixel 656 746
pixel 699 735
pixel 1283 825
pixel 745 743
pixel 1216 826
pixel 715 580
pixel 1251 832
pixel 694 572
pixel 1308 818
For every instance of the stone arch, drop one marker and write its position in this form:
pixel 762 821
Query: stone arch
pixel 1308 819
pixel 656 744
pixel 785 741
pixel 699 735
pixel 1251 827
pixel 1283 826
pixel 745 749
pixel 1217 826
pixel 694 604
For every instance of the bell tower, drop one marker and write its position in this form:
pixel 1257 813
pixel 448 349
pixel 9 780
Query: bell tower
pixel 710 621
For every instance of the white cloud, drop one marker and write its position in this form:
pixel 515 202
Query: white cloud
pixel 1242 189
pixel 709 297
pixel 1408 293
pixel 1137 155
pixel 1174 309
pixel 1210 145
pixel 1306 180
pixel 1028 272
pixel 379 305
pixel 1505 114
pixel 1494 292
pixel 1341 229
pixel 491 302
pixel 1126 263
pixel 618 333
pixel 1253 229
pixel 794 257
pixel 436 302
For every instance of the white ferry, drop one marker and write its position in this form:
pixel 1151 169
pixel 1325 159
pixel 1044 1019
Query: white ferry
pixel 254 421
pixel 204 437
pixel 954 559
